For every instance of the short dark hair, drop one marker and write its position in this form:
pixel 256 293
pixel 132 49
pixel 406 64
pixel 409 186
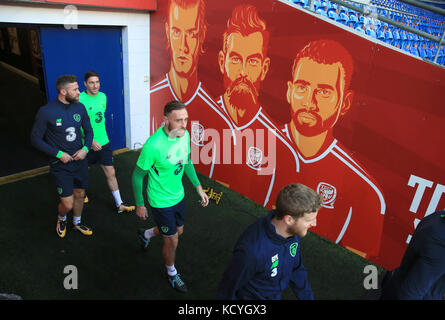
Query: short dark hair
pixel 90 74
pixel 327 52
pixel 172 106
pixel 296 200
pixel 65 79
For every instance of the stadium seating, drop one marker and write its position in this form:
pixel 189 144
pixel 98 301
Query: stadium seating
pixel 404 13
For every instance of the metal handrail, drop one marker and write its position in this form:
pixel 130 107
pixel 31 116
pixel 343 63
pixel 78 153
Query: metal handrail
pixel 424 6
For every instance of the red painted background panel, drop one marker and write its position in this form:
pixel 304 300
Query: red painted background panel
pixel 386 149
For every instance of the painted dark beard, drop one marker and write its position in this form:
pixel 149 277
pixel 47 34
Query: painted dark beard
pixel 243 95
pixel 318 127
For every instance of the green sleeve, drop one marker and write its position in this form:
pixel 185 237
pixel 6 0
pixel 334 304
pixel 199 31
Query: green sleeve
pixel 189 170
pixel 138 185
pixel 148 156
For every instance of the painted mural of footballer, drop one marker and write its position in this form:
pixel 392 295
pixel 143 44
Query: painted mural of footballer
pixel 185 30
pixel 319 95
pixel 250 162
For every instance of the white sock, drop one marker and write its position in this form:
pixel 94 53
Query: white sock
pixel 76 220
pixel 149 233
pixel 171 270
pixel 62 218
pixel 117 197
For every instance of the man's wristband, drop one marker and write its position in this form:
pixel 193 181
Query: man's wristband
pixel 85 148
pixel 59 154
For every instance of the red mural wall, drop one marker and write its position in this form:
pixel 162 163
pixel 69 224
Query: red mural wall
pixel 276 95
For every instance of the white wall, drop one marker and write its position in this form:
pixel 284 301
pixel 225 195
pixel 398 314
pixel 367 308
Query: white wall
pixel 135 47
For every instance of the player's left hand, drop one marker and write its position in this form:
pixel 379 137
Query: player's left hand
pixel 96 146
pixel 80 154
pixel 203 195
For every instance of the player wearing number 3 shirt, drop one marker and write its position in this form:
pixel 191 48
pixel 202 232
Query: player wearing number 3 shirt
pixel 57 133
pixel 95 103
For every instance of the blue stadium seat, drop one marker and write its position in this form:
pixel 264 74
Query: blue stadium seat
pixel 353 17
pixel 406 47
pixel 422 52
pixel 321 11
pixel 332 14
pixel 395 34
pixel 299 2
pixel 388 35
pixel 414 51
pixel 350 24
pixel 344 16
pixel 402 34
pixel 371 32
pixel 380 34
pixel 359 27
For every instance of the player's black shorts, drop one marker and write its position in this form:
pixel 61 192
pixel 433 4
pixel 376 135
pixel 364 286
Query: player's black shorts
pixel 169 219
pixel 103 156
pixel 69 176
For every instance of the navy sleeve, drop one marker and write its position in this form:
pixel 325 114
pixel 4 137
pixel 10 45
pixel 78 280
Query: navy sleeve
pixel 87 129
pixel 427 270
pixel 299 282
pixel 38 134
pixel 238 273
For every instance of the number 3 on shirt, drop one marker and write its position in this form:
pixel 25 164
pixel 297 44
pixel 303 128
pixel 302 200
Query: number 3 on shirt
pixel 71 136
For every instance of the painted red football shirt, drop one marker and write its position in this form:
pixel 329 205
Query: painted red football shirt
pixel 251 156
pixel 354 207
pixel 203 116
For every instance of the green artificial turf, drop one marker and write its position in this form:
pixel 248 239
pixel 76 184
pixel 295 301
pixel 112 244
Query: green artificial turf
pixel 111 263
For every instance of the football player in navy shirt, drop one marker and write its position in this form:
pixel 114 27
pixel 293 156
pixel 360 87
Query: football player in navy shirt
pixel 57 133
pixel 267 256
pixel 421 275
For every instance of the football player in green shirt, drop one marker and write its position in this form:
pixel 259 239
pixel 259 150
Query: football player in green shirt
pixel 95 103
pixel 165 157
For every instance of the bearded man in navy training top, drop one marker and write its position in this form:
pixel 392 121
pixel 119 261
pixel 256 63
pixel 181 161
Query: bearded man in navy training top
pixel 267 256
pixel 57 133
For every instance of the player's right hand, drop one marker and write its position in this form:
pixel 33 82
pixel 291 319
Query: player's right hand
pixel 141 212
pixel 65 158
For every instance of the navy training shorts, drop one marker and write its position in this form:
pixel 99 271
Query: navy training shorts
pixel 69 176
pixel 103 156
pixel 169 219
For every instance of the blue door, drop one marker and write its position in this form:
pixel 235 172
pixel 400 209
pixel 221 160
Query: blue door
pixel 76 51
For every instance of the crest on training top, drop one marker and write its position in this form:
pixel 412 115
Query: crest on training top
pixel 293 249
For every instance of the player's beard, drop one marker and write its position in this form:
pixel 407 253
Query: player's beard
pixel 72 99
pixel 315 127
pixel 243 96
pixel 173 133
